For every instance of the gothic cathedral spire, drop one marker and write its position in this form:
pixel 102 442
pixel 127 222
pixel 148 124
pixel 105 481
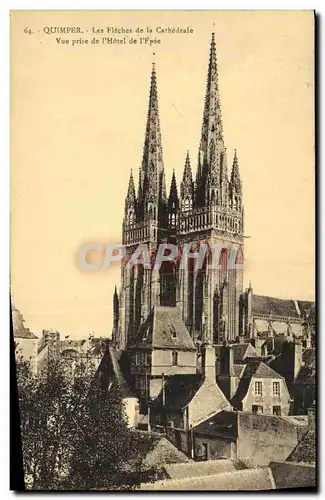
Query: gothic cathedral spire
pixel 152 168
pixel 187 185
pixel 212 170
pixel 235 187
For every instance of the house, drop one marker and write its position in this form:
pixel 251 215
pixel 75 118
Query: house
pixel 298 366
pixel 113 368
pixel 261 390
pixel 251 385
pixel 26 342
pixel 186 400
pixel 71 352
pixel 163 348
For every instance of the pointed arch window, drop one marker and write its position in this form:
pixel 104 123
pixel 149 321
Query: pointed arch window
pixel 131 216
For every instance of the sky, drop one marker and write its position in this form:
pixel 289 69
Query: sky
pixel 78 115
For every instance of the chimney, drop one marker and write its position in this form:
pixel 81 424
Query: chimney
pixel 209 363
pixel 257 343
pixel 226 360
pixel 292 357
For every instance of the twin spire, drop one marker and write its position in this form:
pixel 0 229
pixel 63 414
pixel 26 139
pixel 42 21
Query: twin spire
pixel 212 158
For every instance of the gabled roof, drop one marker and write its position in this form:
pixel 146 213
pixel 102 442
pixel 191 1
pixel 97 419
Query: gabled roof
pixel 256 369
pixel 262 304
pixel 165 328
pixel 179 391
pixel 24 334
pixel 240 351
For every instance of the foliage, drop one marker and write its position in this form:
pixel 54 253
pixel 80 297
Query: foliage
pixel 74 430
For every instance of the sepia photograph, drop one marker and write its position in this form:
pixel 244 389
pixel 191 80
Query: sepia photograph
pixel 162 253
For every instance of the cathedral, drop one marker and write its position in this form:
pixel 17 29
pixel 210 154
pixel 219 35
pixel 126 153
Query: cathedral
pixel 207 209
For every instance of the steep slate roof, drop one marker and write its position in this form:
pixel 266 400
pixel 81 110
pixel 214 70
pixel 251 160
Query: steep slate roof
pixel 256 369
pixel 114 369
pixel 157 450
pixel 305 451
pixel 259 479
pixel 24 334
pixel 165 328
pixel 179 391
pixel 239 351
pixel 261 304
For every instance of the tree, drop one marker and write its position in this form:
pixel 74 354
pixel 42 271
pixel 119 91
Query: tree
pixel 74 430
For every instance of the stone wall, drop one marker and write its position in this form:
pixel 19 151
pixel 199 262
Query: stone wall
pixel 162 362
pixel 216 447
pixel 27 349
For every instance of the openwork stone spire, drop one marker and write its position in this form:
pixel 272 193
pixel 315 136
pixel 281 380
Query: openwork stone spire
pixel 235 180
pixel 130 197
pixel 152 176
pixel 173 195
pixel 187 183
pixel 212 161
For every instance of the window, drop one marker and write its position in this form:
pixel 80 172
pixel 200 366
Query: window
pixel 258 388
pixel 276 388
pixel 277 410
pixel 257 409
pixel 173 331
pixel 137 358
pixel 174 358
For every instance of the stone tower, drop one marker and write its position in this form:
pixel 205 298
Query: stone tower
pixel 212 213
pixel 145 222
pixel 205 213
